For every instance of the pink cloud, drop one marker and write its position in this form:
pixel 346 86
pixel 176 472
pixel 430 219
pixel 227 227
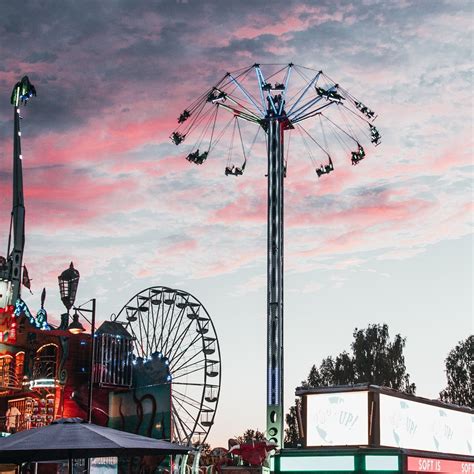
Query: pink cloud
pixel 61 197
pixel 97 141
pixel 244 210
pixel 302 17
pixel 364 215
pixel 157 167
pixel 170 253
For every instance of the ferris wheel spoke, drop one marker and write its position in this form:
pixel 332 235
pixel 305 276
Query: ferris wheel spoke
pixel 180 340
pixel 187 399
pixel 183 407
pixel 146 328
pixel 140 323
pixel 193 384
pixel 141 300
pixel 197 404
pixel 178 408
pixel 164 319
pixel 187 344
pixel 161 311
pixel 186 366
pixel 188 363
pixel 174 323
pixel 181 317
pixel 198 363
pixel 178 356
pixel 169 319
pixel 186 407
pixel 179 425
pixel 137 341
pixel 187 373
pixel 164 315
pixel 176 341
pixel 155 317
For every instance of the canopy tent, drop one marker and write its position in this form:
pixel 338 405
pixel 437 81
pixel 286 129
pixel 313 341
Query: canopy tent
pixel 71 438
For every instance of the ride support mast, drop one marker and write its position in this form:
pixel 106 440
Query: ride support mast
pixel 12 273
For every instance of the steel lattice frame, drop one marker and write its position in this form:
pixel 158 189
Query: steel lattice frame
pixel 273 109
pixel 175 326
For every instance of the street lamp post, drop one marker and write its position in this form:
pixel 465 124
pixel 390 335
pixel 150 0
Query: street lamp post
pixel 76 328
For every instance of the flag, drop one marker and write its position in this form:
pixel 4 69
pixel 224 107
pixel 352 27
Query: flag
pixel 26 279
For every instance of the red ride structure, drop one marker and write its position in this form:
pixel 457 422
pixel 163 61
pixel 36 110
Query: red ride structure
pixel 44 371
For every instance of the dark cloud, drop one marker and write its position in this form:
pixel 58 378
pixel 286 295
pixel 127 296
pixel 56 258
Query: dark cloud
pixel 41 57
pixel 85 56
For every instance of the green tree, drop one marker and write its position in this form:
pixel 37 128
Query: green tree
pixel 373 359
pixel 460 372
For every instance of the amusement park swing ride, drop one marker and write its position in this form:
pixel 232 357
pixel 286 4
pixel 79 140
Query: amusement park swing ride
pixel 164 338
pixel 276 99
pixel 156 365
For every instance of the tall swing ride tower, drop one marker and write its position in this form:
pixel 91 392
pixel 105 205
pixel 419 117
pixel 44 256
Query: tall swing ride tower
pixel 277 99
pixel 11 271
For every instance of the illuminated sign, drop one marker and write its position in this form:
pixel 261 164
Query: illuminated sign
pixel 337 419
pixel 414 425
pixel 43 383
pixel 439 465
pixel 317 463
pixel 381 463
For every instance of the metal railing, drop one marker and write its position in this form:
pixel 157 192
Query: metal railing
pixel 44 367
pixel 8 378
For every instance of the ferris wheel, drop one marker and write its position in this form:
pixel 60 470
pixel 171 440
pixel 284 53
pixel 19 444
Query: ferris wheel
pixel 175 342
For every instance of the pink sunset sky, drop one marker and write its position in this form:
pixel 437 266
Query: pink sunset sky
pixel 386 241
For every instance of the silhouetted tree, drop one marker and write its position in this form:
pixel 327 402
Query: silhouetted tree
pixel 291 432
pixel 251 435
pixel 373 359
pixel 460 372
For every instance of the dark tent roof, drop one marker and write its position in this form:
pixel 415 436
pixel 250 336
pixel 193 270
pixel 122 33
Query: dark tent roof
pixel 71 439
pixel 113 328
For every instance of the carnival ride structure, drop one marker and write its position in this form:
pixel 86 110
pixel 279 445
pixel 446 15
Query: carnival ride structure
pixel 175 347
pixel 156 368
pixel 274 101
pixel 11 267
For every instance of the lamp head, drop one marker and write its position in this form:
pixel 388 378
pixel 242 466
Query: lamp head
pixel 76 327
pixel 68 283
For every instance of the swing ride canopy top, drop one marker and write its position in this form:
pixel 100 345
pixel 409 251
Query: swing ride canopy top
pixel 291 93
